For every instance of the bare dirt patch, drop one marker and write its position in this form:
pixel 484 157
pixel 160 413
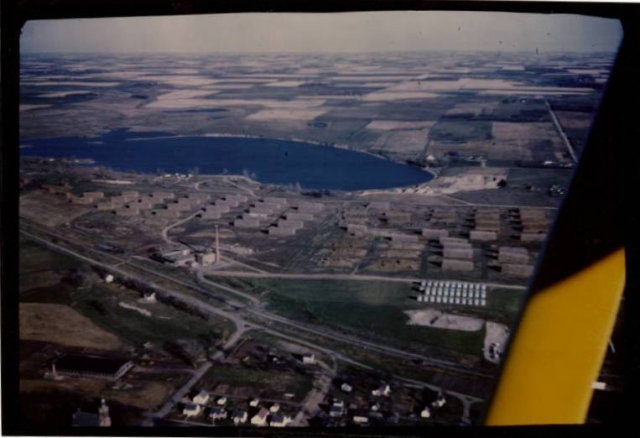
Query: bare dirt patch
pixel 61 324
pixel 436 318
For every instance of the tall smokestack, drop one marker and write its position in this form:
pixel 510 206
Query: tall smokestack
pixel 217 246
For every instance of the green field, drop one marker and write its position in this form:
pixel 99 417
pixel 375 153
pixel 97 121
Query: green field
pixel 101 303
pixel 267 384
pixel 370 310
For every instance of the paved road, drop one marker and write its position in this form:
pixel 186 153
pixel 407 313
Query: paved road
pixel 311 404
pixel 179 394
pixel 164 232
pixel 556 122
pixel 269 316
pixel 242 325
pixel 201 278
pixel 354 277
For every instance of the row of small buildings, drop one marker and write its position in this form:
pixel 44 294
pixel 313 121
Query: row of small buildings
pixel 263 416
pixel 288 224
pixel 514 261
pixel 533 224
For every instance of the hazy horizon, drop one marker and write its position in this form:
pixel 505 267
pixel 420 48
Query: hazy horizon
pixel 336 33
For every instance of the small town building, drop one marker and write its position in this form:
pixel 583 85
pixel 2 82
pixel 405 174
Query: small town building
pixel 440 401
pixel 517 270
pixel 239 416
pixel 425 413
pixel 282 231
pixel 336 411
pixel 221 401
pixel 308 358
pixel 150 297
pixel 345 387
pixel 483 236
pixel 191 410
pixel 206 259
pixel 254 402
pixel 279 420
pixel 360 419
pixel 260 419
pixel 383 390
pixel 533 237
pixel 434 233
pixel 274 408
pixel 202 398
pixel 457 265
pixel 458 253
pixel 218 413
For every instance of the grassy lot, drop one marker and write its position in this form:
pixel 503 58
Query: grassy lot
pixel 266 384
pixel 101 303
pixel 167 324
pixel 34 258
pixel 372 310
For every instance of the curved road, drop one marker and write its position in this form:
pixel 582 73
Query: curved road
pixel 242 326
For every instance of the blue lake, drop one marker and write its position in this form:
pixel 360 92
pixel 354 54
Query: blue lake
pixel 271 161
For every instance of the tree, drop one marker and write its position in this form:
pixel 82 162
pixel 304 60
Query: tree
pixel 188 350
pixel 81 277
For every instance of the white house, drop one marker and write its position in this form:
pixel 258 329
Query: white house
pixel 425 413
pixel 150 298
pixel 345 387
pixel 191 410
pixel 274 408
pixel 383 390
pixel 260 419
pixel 375 407
pixel 308 358
pixel 202 398
pixel 339 403
pixel 360 419
pixel 221 401
pixel 239 416
pixel 254 402
pixel 336 411
pixel 108 278
pixel 439 401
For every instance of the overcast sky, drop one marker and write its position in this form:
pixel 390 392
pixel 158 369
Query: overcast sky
pixel 337 32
